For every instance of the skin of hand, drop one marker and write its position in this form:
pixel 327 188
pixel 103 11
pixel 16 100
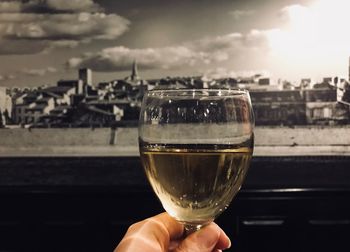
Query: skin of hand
pixel 162 233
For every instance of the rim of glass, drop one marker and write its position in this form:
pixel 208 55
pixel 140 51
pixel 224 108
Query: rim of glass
pixel 197 91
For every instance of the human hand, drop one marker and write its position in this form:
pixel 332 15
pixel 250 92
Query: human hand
pixel 162 233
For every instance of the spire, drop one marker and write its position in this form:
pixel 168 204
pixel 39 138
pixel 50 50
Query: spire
pixel 134 76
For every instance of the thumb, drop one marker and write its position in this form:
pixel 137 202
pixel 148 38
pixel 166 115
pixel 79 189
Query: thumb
pixel 204 240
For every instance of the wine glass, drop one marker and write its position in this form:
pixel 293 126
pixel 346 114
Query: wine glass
pixel 195 147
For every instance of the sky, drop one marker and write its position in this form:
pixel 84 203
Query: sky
pixel 43 41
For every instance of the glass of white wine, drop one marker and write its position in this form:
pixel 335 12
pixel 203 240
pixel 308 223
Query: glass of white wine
pixel 195 147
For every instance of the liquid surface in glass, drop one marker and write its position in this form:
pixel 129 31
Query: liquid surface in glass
pixel 195 183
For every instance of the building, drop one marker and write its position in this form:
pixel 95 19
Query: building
pixel 285 107
pixel 322 106
pixel 42 106
pixel 77 84
pixel 122 109
pixel 264 81
pixel 58 117
pixel 5 106
pixel 61 94
pixel 85 74
pixel 33 105
pixel 97 113
pixel 305 83
pixel 21 103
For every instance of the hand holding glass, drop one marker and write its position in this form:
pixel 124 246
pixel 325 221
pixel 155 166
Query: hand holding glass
pixel 196 146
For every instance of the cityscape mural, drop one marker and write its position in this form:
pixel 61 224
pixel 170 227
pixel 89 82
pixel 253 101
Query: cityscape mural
pixel 86 64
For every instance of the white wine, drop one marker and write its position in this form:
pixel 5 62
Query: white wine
pixel 195 183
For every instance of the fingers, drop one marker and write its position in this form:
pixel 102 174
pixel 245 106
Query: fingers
pixel 151 235
pixel 174 228
pixel 208 239
pixel 161 232
pixel 224 241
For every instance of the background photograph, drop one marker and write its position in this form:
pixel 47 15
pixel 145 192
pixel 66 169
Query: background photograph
pixel 73 73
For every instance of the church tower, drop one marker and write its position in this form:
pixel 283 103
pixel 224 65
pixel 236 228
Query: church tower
pixel 85 81
pixel 134 75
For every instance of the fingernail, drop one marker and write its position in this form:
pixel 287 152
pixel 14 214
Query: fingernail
pixel 229 242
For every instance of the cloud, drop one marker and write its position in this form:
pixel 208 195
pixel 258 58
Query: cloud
pixel 49 6
pixel 75 27
pixel 72 5
pixel 40 71
pixel 197 53
pixel 231 44
pixel 307 41
pixel 7 77
pixel 10 77
pixel 21 46
pixel 219 43
pixel 222 72
pixel 120 58
pixel 238 14
pixel 48 24
pixel 62 44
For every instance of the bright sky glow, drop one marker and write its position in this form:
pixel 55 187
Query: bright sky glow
pixel 315 38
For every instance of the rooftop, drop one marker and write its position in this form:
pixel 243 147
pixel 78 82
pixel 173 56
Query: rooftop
pixel 39 107
pixel 100 111
pixel 43 100
pixel 109 102
pixel 57 90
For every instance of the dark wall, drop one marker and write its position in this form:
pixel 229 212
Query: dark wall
pixel 86 204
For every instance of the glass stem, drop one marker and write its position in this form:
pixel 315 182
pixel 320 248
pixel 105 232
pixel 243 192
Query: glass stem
pixel 191 228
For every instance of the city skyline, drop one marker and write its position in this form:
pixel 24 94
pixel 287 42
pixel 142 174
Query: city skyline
pixel 42 42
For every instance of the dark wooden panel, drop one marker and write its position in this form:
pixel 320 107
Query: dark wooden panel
pixel 264 173
pixel 86 204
